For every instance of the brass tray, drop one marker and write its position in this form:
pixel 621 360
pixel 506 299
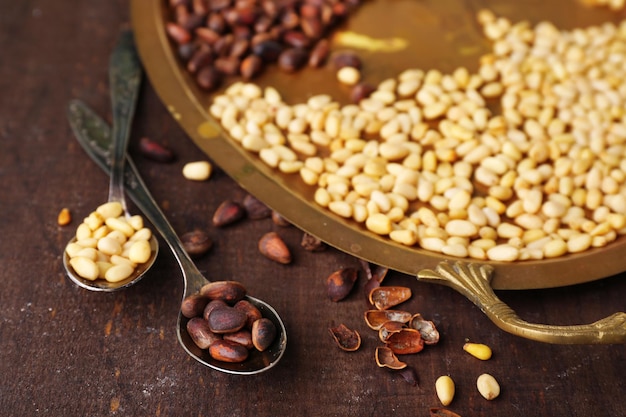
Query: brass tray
pixel 440 34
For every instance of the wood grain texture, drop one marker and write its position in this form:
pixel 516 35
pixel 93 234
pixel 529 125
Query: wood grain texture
pixel 66 351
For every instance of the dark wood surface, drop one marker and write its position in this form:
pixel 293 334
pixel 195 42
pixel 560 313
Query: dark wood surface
pixel 67 351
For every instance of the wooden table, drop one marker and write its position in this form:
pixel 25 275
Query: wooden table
pixel 67 351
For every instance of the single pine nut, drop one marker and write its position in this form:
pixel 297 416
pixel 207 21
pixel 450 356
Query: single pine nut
pixel 378 223
pixel 87 242
pixel 341 208
pixel 140 252
pixel 85 267
pixel 463 228
pixel 117 235
pixel 444 387
pixel 488 386
pixel 65 217
pixel 89 253
pixel 503 252
pixel 579 243
pixel 478 350
pixel 141 234
pixel 554 248
pixel 83 231
pixel 136 222
pixel 405 236
pixel 110 209
pixel 458 250
pixel 119 272
pixel 121 225
pixel 434 244
pixel 109 246
pixel 197 171
pixel 348 75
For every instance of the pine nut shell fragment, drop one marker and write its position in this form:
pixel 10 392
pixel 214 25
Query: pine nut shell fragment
pixel 384 298
pixel 405 341
pixel 339 284
pixel 375 319
pixel 385 358
pixel 389 328
pixel 426 328
pixel 346 339
pixel 442 412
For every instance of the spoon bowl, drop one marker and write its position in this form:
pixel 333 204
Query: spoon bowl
pixel 93 135
pixel 125 79
pixel 104 285
pixel 257 361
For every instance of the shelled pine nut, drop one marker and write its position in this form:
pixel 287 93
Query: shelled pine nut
pixel 552 161
pixel 108 245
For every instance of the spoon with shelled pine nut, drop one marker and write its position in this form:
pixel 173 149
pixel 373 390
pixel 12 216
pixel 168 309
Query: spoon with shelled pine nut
pixel 111 249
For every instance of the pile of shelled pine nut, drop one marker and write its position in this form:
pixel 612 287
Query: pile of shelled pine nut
pixel 426 161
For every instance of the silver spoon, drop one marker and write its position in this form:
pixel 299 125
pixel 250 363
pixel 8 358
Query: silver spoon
pixel 92 133
pixel 125 80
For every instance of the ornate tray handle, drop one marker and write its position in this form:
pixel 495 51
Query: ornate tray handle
pixel 473 281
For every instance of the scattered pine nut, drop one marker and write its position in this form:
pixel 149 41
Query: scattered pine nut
pixel 444 386
pixel 197 171
pixel 488 386
pixel 65 217
pixel 348 75
pixel 478 350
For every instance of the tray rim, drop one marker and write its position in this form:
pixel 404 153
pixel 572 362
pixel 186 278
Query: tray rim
pixel 168 79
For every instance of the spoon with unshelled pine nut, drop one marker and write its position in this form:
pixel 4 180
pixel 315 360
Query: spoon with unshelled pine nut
pixel 111 249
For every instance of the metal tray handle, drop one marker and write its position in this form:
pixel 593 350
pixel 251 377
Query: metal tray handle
pixel 473 281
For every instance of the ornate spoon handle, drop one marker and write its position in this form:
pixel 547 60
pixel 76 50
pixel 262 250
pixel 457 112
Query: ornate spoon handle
pixel 473 281
pixel 125 80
